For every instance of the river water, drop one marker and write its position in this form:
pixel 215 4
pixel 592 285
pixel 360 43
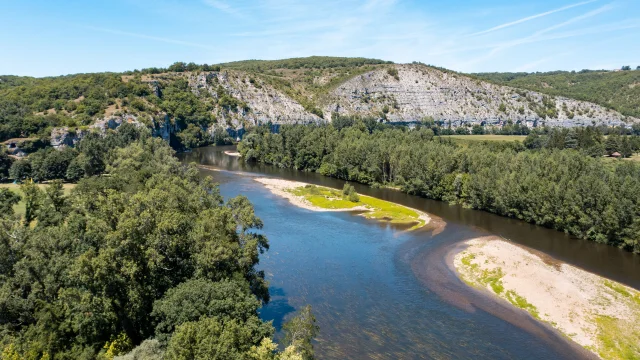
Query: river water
pixel 383 293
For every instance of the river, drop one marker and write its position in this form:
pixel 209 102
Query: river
pixel 382 293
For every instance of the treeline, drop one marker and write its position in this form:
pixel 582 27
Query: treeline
pixel 565 189
pixel 178 66
pixel 148 260
pixel 589 140
pixel 312 62
pixel 616 90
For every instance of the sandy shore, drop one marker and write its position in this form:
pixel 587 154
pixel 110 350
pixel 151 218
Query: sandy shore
pixel 587 308
pixel 280 187
pixel 232 153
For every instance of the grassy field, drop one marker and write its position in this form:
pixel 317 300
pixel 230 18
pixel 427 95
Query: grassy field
pixel 20 207
pixel 635 157
pixel 380 210
pixel 486 137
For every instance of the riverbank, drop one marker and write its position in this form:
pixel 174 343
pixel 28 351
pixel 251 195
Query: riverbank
pixel 320 198
pixel 601 315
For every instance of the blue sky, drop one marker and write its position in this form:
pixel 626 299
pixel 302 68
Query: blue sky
pixel 51 37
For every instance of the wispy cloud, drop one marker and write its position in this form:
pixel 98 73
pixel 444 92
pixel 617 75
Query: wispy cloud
pixel 575 19
pixel 149 37
pixel 532 17
pixel 222 6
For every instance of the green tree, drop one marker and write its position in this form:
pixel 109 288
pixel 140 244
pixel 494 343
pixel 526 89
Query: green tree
pixel 570 141
pixel 533 141
pixel 193 299
pixel 626 149
pixel 8 199
pixel 214 338
pixel 477 130
pixel 5 164
pixel 33 199
pixel 612 144
pixel 20 170
pixel 300 332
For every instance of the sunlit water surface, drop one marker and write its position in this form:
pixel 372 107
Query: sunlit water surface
pixel 384 293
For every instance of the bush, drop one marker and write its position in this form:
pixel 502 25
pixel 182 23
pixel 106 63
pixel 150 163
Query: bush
pixel 350 193
pixel 394 73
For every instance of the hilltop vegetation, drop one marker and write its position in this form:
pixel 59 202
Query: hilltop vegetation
pixel 190 102
pixel 617 90
pixel 312 62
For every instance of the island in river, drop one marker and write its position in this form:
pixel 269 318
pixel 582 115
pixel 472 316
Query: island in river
pixel 601 315
pixel 320 198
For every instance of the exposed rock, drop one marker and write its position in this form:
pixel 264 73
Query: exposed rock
pixel 113 122
pixel 163 127
pixel 63 136
pixel 265 103
pixel 421 91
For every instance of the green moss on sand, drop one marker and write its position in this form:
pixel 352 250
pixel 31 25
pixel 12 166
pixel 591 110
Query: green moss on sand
pixel 617 339
pixel 377 209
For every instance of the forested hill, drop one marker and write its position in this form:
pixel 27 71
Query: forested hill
pixel 617 90
pixel 189 102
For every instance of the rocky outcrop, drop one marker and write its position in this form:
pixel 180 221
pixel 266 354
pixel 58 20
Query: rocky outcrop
pixel 113 122
pixel 264 102
pixel 163 127
pixel 417 91
pixel 65 136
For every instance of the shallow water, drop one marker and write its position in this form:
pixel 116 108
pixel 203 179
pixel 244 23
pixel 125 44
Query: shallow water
pixel 382 293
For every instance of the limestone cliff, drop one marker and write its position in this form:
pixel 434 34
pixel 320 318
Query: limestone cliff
pixel 414 91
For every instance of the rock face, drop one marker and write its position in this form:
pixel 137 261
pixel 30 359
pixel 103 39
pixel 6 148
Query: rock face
pixel 417 92
pixel 264 102
pixel 164 128
pixel 113 122
pixel 64 136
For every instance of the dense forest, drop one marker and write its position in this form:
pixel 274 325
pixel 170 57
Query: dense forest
pixel 142 260
pixel 617 90
pixel 559 180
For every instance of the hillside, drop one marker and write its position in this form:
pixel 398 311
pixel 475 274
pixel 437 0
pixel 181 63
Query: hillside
pixel 416 91
pixel 617 90
pixel 200 98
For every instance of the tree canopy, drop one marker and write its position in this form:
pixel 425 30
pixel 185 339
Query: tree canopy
pixel 150 250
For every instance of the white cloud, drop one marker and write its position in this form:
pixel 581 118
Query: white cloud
pixel 532 17
pixel 222 6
